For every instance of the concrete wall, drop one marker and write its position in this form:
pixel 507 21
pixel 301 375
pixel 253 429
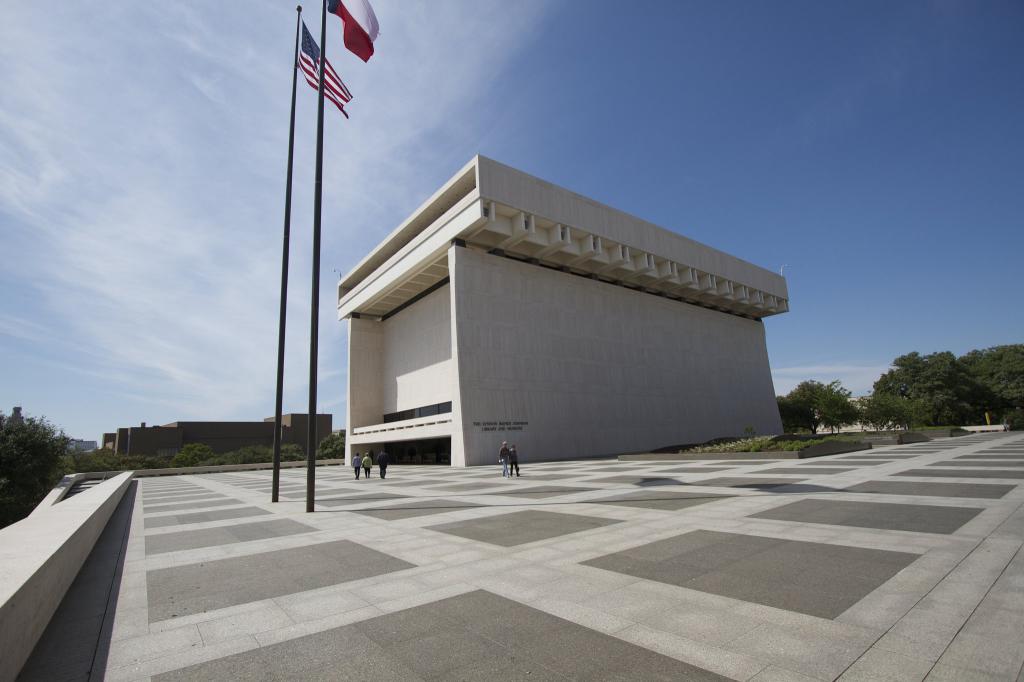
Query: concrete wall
pixel 365 389
pixel 595 369
pixel 40 556
pixel 400 363
pixel 403 362
pixel 416 367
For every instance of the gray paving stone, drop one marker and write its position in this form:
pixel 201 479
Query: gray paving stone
pixel 693 470
pixel 352 499
pixel 195 588
pixel 204 516
pixel 979 463
pixel 667 500
pixel 755 482
pixel 805 470
pixel 541 491
pixel 518 528
pixel 423 507
pixel 961 473
pixel 990 491
pixel 876 453
pixel 637 480
pixel 219 501
pixel 868 462
pixel 883 515
pixel 744 462
pixel 175 497
pixel 210 537
pixel 803 650
pixel 476 636
pixel 478 486
pixel 808 577
pixel 178 490
pixel 991 640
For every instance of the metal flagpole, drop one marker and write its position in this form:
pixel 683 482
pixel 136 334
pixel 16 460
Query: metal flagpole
pixel 284 269
pixel 314 317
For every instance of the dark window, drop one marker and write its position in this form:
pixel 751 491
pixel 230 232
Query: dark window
pixel 425 411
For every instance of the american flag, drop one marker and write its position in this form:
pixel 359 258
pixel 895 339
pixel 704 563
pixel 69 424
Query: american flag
pixel 309 59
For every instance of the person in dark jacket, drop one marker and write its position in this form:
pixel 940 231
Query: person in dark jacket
pixel 382 463
pixel 513 461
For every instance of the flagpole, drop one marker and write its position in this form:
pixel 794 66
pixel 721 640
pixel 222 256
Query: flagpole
pixel 314 316
pixel 284 269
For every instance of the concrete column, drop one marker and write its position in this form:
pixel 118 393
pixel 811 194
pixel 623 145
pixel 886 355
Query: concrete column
pixel 458 446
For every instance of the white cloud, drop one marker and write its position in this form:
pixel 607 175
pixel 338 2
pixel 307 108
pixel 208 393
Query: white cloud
pixel 857 378
pixel 141 179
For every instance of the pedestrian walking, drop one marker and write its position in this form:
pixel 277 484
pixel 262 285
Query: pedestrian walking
pixel 382 463
pixel 513 461
pixel 357 462
pixel 503 455
pixel 367 463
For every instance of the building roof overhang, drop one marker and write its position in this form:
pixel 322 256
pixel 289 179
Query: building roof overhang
pixel 493 207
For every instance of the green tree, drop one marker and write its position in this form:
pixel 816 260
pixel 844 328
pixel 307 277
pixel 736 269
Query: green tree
pixel 1001 371
pixel 97 460
pixel 31 463
pixel 799 407
pixel 332 447
pixel 884 412
pixel 834 407
pixel 947 392
pixel 192 455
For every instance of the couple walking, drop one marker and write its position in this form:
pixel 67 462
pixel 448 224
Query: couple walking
pixel 366 463
pixel 509 459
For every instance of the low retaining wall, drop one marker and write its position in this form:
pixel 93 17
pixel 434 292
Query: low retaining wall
pixel 39 559
pixel 911 437
pixel 932 434
pixel 820 450
pixel 177 471
pixel 831 448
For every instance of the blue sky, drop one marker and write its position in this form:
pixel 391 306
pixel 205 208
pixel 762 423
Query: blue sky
pixel 874 149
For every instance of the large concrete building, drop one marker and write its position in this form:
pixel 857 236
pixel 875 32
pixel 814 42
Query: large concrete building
pixel 507 308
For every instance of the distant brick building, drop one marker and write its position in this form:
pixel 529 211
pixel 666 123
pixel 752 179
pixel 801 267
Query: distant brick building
pixel 15 417
pixel 168 439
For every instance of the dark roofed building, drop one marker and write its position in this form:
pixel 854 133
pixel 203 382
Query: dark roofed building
pixel 168 439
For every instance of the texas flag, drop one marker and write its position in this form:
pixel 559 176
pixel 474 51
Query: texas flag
pixel 360 25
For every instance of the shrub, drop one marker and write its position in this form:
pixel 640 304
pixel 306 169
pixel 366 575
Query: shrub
pixel 332 447
pixel 191 455
pixel 785 443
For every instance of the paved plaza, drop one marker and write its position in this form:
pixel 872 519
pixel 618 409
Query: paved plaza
pixel 898 563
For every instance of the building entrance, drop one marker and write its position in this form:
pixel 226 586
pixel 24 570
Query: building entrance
pixel 428 451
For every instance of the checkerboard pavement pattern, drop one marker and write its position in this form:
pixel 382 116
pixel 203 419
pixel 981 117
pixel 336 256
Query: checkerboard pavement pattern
pixel 887 564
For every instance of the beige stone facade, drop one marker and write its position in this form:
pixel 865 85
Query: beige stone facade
pixel 507 308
